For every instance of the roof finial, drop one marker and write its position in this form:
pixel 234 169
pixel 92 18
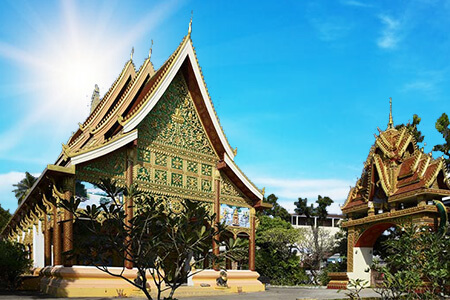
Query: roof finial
pixel 150 51
pixel 391 122
pixel 132 52
pixel 190 23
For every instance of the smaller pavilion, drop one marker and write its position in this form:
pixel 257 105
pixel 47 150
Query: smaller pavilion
pixel 397 186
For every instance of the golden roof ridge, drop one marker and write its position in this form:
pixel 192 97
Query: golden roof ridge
pixel 245 176
pixel 83 126
pixel 440 166
pixel 209 96
pixel 405 143
pixel 159 79
pixel 386 142
pixel 424 166
pixel 400 139
pixel 381 168
pixel 102 102
pixel 119 103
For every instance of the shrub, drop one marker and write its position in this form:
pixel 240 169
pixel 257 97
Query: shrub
pixel 13 263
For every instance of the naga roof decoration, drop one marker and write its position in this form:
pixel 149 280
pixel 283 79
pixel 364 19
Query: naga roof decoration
pixel 396 170
pixel 114 122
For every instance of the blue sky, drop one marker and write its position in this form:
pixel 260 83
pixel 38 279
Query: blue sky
pixel 299 86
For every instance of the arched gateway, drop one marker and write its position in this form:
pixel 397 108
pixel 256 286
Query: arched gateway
pixel 398 185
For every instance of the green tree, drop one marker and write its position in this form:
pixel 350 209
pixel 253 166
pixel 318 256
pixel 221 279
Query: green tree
pixel 442 125
pixel 13 263
pixel 158 240
pixel 23 187
pixel 4 217
pixel 277 257
pixel 80 190
pixel 318 243
pixel 277 210
pixel 412 127
pixel 339 247
pixel 320 210
pixel 415 254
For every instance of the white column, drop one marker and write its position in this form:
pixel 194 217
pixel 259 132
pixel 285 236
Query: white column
pixel 38 246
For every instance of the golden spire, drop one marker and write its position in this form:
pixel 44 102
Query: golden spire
pixel 190 23
pixel 391 122
pixel 132 52
pixel 150 51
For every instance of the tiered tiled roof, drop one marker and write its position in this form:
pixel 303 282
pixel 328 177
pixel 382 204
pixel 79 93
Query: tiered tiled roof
pixel 400 169
pixel 113 123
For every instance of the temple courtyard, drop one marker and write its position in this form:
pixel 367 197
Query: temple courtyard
pixel 285 293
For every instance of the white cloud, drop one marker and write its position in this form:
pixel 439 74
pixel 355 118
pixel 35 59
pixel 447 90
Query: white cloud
pixel 389 36
pixel 7 199
pixel 426 81
pixel 356 3
pixel 331 29
pixel 419 85
pixel 289 190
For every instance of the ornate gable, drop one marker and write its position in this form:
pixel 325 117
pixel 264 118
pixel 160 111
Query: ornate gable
pixel 171 115
pixel 174 154
pixel 174 122
pixel 230 194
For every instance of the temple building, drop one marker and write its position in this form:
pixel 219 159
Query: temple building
pixel 399 184
pixel 157 129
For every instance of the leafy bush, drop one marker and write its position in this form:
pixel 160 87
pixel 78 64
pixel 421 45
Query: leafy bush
pixel 415 254
pixel 276 257
pixel 13 263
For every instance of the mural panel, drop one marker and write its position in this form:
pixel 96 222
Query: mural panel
pixel 235 216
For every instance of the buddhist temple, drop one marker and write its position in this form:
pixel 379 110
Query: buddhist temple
pixel 158 129
pixel 399 184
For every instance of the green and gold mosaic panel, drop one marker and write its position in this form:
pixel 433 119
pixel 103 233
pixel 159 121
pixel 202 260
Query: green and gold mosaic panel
pixel 175 122
pixel 177 163
pixel 160 159
pixel 192 182
pixel 174 147
pixel 177 179
pixel 160 177
pixel 206 170
pixel 143 155
pixel 206 185
pixel 143 174
pixel 192 166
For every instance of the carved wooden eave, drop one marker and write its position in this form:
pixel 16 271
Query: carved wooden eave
pixel 34 197
pixel 109 146
pixel 390 215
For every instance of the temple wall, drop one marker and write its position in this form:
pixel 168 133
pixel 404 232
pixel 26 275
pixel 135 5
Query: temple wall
pixel 362 259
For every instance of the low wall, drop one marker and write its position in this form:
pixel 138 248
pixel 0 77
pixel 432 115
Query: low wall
pixel 84 281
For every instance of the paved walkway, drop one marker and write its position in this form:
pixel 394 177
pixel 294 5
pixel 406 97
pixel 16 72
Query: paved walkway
pixel 290 293
pixel 272 293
